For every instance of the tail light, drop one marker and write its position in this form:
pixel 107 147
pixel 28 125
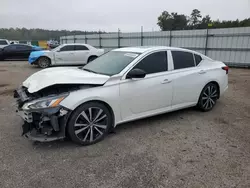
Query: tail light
pixel 226 68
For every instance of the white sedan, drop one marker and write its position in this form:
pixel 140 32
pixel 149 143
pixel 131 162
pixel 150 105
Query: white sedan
pixel 65 54
pixel 120 86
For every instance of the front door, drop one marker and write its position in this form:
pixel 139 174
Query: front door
pixel 65 56
pixel 149 94
pixel 23 51
pixel 10 52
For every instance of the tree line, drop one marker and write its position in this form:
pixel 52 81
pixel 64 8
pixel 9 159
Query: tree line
pixel 174 21
pixel 37 34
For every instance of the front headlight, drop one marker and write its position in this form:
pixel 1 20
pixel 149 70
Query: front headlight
pixel 49 102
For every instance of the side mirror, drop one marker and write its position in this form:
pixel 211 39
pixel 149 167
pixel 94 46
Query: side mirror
pixel 136 73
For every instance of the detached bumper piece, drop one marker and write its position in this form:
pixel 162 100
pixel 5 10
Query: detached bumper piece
pixel 46 125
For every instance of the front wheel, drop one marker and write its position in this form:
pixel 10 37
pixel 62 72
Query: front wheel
pixel 208 97
pixel 90 123
pixel 43 62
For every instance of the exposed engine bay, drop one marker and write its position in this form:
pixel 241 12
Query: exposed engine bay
pixel 44 119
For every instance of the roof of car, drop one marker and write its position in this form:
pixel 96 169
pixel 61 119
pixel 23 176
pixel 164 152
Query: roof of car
pixel 87 45
pixel 142 49
pixel 145 49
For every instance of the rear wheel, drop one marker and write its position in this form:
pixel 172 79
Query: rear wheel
pixel 90 123
pixel 208 97
pixel 43 62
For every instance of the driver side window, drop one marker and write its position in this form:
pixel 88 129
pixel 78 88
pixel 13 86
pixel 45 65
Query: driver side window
pixel 154 63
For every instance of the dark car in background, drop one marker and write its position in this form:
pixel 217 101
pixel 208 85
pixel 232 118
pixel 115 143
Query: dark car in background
pixel 17 51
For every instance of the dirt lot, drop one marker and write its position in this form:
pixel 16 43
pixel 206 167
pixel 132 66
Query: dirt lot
pixel 187 148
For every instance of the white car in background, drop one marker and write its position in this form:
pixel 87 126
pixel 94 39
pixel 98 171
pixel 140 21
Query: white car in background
pixel 65 54
pixel 4 42
pixel 122 85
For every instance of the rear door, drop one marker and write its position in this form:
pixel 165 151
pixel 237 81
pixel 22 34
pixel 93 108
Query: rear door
pixel 81 54
pixel 66 55
pixel 188 79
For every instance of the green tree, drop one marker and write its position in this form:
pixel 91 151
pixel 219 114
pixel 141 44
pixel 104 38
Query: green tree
pixel 165 21
pixel 195 18
pixel 179 21
pixel 204 22
pixel 173 21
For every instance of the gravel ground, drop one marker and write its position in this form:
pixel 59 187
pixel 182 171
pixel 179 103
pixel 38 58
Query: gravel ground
pixel 187 148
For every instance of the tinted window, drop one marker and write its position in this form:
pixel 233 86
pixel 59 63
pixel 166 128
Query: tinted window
pixel 198 59
pixel 67 48
pixel 156 62
pixel 3 42
pixel 23 47
pixel 10 47
pixel 80 47
pixel 182 59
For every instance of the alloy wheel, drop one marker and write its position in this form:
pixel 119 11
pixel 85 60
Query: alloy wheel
pixel 44 62
pixel 209 97
pixel 91 124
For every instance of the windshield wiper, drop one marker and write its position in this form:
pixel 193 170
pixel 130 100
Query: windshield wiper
pixel 88 70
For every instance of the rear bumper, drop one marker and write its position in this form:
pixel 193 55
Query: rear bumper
pixel 223 91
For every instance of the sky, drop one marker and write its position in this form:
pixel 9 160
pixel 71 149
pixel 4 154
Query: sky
pixel 109 15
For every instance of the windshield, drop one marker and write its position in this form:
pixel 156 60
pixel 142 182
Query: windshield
pixel 111 63
pixel 57 48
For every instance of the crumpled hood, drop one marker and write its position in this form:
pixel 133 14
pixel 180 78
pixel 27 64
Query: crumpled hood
pixel 62 75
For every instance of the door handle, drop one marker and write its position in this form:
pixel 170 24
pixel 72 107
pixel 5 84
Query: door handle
pixel 202 72
pixel 166 81
pixel 71 53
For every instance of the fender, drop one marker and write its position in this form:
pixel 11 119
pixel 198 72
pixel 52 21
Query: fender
pixel 34 56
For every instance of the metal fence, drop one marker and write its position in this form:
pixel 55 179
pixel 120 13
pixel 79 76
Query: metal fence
pixel 231 45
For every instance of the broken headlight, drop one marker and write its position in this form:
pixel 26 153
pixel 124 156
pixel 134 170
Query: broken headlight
pixel 48 102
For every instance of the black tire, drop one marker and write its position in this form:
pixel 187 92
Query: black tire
pixel 91 58
pixel 43 62
pixel 208 97
pixel 81 128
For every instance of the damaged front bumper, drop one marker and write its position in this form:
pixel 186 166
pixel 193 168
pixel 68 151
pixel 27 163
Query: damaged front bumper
pixel 42 125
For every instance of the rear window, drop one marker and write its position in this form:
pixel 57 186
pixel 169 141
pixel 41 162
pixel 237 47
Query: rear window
pixel 3 42
pixel 198 59
pixel 80 48
pixel 183 59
